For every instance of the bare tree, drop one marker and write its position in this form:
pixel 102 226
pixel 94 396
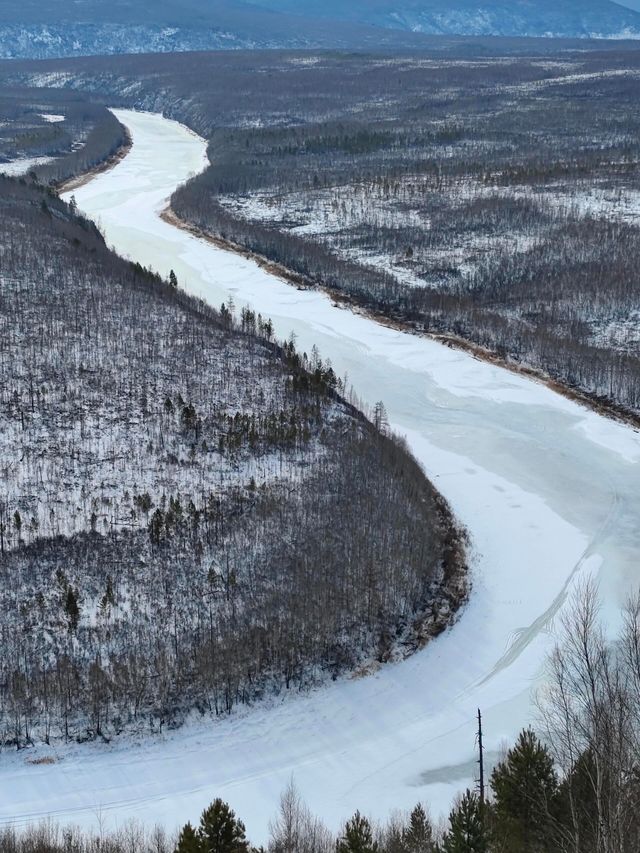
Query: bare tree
pixel 295 829
pixel 589 710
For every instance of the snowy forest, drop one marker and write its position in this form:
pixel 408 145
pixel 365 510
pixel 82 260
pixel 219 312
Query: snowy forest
pixel 60 133
pixel 571 787
pixel 191 515
pixel 487 194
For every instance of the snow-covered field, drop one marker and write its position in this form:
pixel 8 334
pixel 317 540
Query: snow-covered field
pixel 549 491
pixel 375 222
pixel 16 168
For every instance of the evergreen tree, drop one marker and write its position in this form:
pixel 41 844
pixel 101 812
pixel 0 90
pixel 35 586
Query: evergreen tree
pixel 220 831
pixel 188 841
pixel 108 599
pixel 156 526
pixel 466 829
pixel 525 789
pixel 71 608
pixel 358 837
pixel 418 837
pixel 380 419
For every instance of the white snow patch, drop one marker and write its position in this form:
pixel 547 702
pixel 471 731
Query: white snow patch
pixel 16 168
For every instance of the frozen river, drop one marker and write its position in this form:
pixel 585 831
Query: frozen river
pixel 548 490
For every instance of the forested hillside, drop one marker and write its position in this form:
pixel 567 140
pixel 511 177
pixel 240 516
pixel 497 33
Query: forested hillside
pixel 573 789
pixel 42 30
pixel 190 515
pixel 57 132
pixel 568 18
pixel 486 194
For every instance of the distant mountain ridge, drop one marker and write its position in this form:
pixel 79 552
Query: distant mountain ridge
pixel 35 29
pixel 561 18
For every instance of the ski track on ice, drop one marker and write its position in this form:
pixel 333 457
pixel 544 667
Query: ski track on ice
pixel 549 491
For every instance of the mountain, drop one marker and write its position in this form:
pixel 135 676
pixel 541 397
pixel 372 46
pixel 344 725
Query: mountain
pixel 34 29
pixel 567 18
pixel 37 30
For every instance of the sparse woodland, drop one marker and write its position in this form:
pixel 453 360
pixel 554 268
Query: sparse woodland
pixel 509 227
pixel 64 128
pixel 489 193
pixel 190 516
pixel 573 789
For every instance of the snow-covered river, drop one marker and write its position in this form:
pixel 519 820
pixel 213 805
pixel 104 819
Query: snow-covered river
pixel 548 490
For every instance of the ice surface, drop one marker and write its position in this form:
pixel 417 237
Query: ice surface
pixel 549 491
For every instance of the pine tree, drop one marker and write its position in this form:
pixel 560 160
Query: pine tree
pixel 156 526
pixel 358 837
pixel 380 419
pixel 71 608
pixel 188 841
pixel 418 837
pixel 466 830
pixel 525 789
pixel 220 831
pixel 109 598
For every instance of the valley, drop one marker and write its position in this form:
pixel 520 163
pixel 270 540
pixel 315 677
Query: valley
pixel 319 426
pixel 546 488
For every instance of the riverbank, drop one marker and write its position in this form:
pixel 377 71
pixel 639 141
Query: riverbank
pixel 72 184
pixel 606 408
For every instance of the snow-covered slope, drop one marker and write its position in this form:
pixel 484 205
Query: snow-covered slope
pixel 567 18
pixel 549 491
pixel 34 29
pixel 37 30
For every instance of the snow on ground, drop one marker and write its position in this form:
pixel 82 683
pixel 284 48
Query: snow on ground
pixel 333 215
pixel 548 490
pixel 446 242
pixel 20 167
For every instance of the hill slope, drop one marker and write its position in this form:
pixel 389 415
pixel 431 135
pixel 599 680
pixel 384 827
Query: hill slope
pixel 190 515
pixel 567 18
pixel 37 30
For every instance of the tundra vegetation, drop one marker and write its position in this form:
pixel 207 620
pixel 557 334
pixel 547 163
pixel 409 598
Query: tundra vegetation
pixel 486 192
pixel 191 516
